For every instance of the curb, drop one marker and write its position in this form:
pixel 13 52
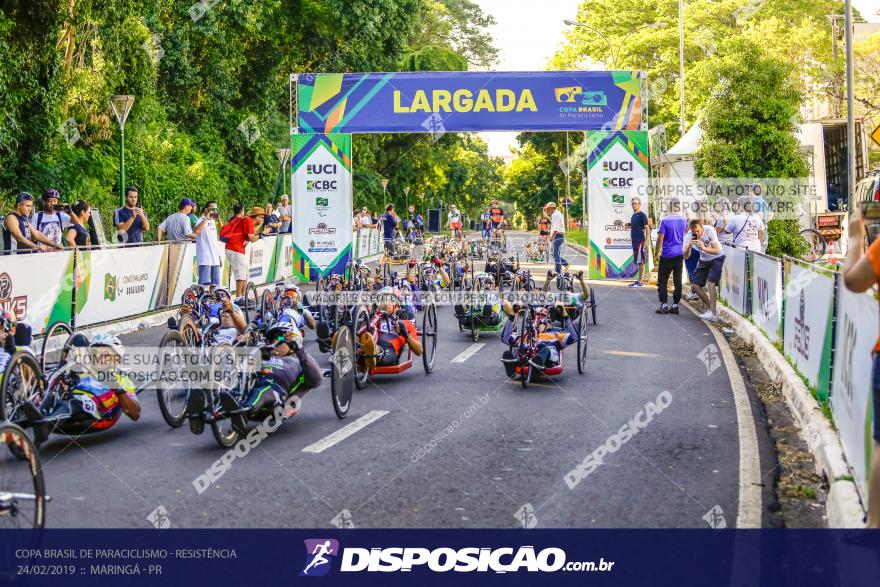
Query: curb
pixel 843 508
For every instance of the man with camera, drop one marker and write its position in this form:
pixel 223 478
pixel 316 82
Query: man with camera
pixel 130 220
pixel 207 245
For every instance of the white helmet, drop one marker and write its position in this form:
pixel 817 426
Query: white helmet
pixel 108 340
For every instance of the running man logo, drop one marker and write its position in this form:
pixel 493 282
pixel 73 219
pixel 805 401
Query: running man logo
pixel 110 287
pixel 320 553
pixel 568 94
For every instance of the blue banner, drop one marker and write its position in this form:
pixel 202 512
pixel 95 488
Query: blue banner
pixel 216 557
pixel 438 102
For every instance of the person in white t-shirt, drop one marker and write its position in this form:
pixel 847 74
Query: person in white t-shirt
pixel 708 270
pixel 51 222
pixel 208 253
pixel 722 217
pixel 747 228
pixel 454 221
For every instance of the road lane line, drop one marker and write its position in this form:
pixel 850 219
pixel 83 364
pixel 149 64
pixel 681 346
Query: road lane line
pixel 468 352
pixel 344 432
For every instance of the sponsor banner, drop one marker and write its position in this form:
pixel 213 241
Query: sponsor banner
pixel 809 309
pixel 120 282
pixel 282 261
pixel 616 162
pixel 259 257
pixel 322 228
pixel 438 102
pixel 37 287
pixel 856 333
pixel 367 243
pixel 183 269
pixel 733 279
pixel 766 292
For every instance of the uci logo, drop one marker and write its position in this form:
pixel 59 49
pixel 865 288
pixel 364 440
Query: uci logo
pixel 318 168
pixel 617 165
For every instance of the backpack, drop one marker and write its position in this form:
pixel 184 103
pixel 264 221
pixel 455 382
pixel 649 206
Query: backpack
pixel 228 230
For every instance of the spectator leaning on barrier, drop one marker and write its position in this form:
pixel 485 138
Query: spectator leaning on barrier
pixel 708 271
pixel 18 234
pixel 860 273
pixel 273 222
pixel 746 227
pixel 131 220
pixel 670 237
pixel 177 226
pixel 51 222
pixel 208 246
pixel 721 215
pixel 77 234
pixel 285 214
pixel 639 232
pixel 238 233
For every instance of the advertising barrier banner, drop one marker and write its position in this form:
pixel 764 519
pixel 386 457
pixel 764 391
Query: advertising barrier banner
pixel 617 161
pixel 282 259
pixel 183 270
pixel 766 292
pixel 367 243
pixel 322 190
pixel 809 310
pixel 851 389
pixel 733 279
pixel 437 102
pixel 120 282
pixel 37 288
pixel 260 256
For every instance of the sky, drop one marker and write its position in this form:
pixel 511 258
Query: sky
pixel 528 33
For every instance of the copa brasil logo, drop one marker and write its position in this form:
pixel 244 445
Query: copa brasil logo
pixel 320 553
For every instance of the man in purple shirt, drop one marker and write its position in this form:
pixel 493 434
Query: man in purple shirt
pixel 670 241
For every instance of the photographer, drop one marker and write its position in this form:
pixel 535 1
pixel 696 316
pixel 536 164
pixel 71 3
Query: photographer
pixel 130 220
pixel 704 240
pixel 207 245
pixel 861 272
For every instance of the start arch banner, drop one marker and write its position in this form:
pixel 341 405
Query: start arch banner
pixel 436 102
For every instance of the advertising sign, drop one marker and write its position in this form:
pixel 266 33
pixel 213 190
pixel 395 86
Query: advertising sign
pixel 767 295
pixel 120 282
pixel 183 271
pixel 809 307
pixel 322 202
pixel 733 279
pixel 851 396
pixel 37 288
pixel 617 162
pixel 438 102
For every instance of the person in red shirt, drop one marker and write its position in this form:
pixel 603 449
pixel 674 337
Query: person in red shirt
pixel 861 271
pixel 240 233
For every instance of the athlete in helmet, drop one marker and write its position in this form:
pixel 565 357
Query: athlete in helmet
pixel 550 341
pixel 394 332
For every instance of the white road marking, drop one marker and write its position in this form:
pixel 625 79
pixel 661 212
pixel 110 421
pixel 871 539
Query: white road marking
pixel 344 432
pixel 468 352
pixel 633 354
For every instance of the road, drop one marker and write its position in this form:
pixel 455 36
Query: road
pixel 461 447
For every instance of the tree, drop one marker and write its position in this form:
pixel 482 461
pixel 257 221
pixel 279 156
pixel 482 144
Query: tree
pixel 460 25
pixel 748 128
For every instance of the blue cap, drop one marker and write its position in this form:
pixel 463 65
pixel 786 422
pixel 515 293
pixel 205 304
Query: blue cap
pixel 186 202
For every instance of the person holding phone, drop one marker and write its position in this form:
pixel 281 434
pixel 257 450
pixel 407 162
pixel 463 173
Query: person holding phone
pixel 208 257
pixel 131 221
pixel 708 270
pixel 861 272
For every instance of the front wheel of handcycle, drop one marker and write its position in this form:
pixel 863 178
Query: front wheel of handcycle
pixel 429 337
pixel 582 343
pixel 251 302
pixel 22 488
pixel 359 324
pixel 475 328
pixel 54 342
pixel 225 379
pixel 22 382
pixel 342 372
pixel 174 353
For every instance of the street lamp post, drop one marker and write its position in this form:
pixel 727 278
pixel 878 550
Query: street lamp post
pixel 121 106
pixel 384 191
pixel 850 107
pixel 406 195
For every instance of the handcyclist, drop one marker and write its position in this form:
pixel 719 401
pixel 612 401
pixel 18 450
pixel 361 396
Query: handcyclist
pixel 394 332
pixel 544 233
pixel 486 222
pixel 550 340
pixel 231 319
pixel 296 313
pixel 577 300
pixel 497 216
pixel 485 302
pixel 286 370
pixel 455 222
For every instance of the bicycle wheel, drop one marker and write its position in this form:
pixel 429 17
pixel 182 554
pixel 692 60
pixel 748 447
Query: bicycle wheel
pixel 817 244
pixel 53 342
pixel 475 330
pixel 582 343
pixel 342 373
pixel 429 337
pixel 251 302
pixel 224 378
pixel 22 382
pixel 22 488
pixel 267 307
pixel 358 325
pixel 172 395
pixel 188 331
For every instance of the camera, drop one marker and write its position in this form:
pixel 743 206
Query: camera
pixel 213 215
pixel 871 217
pixel 63 207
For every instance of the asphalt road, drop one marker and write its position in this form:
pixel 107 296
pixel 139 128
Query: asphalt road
pixel 461 447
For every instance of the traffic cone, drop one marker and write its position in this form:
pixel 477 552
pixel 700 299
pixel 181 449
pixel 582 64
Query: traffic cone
pixel 832 256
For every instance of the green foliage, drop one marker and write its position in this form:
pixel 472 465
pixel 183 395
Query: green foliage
pixel 785 239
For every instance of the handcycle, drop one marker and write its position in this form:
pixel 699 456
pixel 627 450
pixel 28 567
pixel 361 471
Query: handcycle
pixel 481 311
pixel 565 284
pixel 22 486
pixel 536 250
pixel 503 268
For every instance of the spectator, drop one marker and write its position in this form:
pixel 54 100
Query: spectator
pixel 51 222
pixel 77 234
pixel 746 227
pixel 389 227
pixel 708 270
pixel 273 222
pixel 18 234
pixel 722 219
pixel 670 238
pixel 239 232
pixel 860 273
pixel 366 220
pixel 207 246
pixel 285 214
pixel 177 226
pixel 192 215
pixel 639 233
pixel 131 220
pixel 557 234
pixel 761 209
